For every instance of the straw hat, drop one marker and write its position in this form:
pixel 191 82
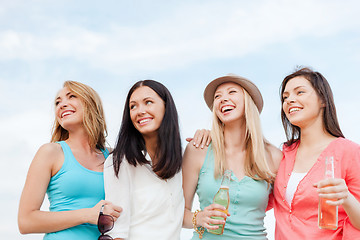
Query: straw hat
pixel 249 86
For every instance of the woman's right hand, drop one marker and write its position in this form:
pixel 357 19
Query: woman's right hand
pixel 204 219
pixel 109 209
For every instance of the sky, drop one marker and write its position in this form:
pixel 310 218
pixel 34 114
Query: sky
pixel 110 45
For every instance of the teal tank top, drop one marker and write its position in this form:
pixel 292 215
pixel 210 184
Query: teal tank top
pixel 75 187
pixel 248 202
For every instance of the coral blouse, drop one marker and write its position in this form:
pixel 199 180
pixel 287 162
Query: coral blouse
pixel 299 220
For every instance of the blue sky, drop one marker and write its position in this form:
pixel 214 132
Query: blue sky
pixel 109 45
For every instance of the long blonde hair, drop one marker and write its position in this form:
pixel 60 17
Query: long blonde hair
pixel 93 119
pixel 256 165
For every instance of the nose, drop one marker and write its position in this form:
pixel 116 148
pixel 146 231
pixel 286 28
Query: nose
pixel 224 98
pixel 141 110
pixel 62 104
pixel 290 99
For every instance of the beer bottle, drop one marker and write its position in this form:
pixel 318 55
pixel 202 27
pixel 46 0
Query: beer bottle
pixel 222 198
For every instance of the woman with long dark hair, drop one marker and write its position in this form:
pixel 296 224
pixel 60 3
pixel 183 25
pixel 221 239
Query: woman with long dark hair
pixel 313 134
pixel 143 176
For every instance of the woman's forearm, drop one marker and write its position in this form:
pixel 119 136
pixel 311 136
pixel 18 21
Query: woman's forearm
pixel 187 222
pixel 45 222
pixel 352 207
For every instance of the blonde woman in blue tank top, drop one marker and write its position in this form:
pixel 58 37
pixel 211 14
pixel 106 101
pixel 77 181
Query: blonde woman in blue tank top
pixel 238 145
pixel 69 170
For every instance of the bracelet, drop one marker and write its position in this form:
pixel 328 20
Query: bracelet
pixel 200 230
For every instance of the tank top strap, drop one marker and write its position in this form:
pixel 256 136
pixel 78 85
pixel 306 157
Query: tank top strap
pixel 68 155
pixel 105 152
pixel 209 159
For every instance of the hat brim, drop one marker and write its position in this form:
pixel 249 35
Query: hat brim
pixel 249 86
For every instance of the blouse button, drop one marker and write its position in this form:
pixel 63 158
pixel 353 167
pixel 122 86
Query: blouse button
pixel 284 186
pixel 283 200
pixel 289 174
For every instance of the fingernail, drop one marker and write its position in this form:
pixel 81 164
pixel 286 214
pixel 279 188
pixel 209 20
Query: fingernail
pixel 202 146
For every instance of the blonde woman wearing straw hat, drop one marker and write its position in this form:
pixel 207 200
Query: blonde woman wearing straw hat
pixel 237 145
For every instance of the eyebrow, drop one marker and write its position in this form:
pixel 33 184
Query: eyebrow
pixel 144 99
pixel 227 89
pixel 294 89
pixel 67 94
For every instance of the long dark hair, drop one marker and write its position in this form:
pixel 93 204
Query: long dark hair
pixel 323 90
pixel 130 143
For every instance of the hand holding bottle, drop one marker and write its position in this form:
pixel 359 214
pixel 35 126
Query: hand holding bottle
pixel 334 189
pixel 204 217
pixel 222 198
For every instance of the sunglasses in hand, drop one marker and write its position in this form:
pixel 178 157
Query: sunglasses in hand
pixel 105 224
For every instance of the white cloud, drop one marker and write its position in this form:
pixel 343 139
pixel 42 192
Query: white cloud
pixel 194 32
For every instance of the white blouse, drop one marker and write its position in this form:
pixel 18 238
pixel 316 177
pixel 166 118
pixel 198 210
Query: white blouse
pixel 152 208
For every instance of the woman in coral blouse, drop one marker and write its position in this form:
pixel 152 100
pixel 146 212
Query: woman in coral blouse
pixel 313 133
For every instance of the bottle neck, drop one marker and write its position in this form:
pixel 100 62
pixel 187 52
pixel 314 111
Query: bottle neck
pixel 225 182
pixel 329 167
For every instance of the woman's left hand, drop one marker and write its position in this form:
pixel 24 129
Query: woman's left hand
pixel 334 189
pixel 201 138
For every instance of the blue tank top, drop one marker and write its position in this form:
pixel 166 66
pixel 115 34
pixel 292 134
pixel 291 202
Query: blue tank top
pixel 248 202
pixel 74 187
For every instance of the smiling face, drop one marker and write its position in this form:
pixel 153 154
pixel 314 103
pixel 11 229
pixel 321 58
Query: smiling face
pixel 229 102
pixel 147 110
pixel 301 104
pixel 69 109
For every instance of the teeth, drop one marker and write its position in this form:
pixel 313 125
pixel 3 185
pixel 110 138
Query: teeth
pixel 227 108
pixel 294 110
pixel 144 121
pixel 66 114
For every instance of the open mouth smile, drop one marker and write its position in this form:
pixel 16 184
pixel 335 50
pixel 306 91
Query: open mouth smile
pixel 144 121
pixel 294 109
pixel 67 113
pixel 227 108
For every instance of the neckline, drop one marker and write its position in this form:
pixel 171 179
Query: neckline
pixel 236 179
pixel 321 156
pixel 79 164
pixel 149 166
pixel 209 151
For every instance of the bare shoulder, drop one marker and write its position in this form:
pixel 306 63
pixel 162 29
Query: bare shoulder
pixel 193 156
pixel 50 149
pixel 49 153
pixel 275 157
